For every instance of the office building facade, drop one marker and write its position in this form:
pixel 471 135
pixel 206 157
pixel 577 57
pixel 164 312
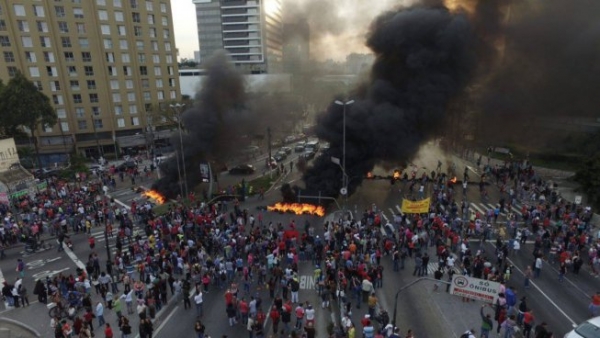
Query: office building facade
pixel 251 31
pixel 104 64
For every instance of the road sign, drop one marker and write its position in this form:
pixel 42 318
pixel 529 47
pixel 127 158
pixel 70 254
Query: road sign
pixel 343 191
pixel 475 288
pixel 578 199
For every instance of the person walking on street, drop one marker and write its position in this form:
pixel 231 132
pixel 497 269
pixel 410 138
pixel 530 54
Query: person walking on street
pixel 528 275
pixel 537 270
pixel 100 314
pixel 528 320
pixel 198 300
pixel 486 323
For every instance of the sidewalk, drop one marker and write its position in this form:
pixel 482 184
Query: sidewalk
pixel 13 329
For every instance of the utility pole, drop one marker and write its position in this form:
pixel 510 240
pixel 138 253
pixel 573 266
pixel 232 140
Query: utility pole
pixel 269 148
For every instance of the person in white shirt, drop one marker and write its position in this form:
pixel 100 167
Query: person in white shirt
pixel 198 299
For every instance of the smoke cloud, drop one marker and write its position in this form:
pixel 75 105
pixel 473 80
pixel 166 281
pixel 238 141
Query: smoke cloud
pixel 424 58
pixel 549 70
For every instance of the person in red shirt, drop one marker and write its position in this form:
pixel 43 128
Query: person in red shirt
pixel 274 315
pixel 108 333
pixel 528 320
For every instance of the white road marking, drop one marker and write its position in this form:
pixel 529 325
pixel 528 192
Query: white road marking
pixel 164 322
pixel 399 209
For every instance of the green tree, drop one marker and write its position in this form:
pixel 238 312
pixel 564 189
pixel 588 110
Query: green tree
pixel 589 180
pixel 22 105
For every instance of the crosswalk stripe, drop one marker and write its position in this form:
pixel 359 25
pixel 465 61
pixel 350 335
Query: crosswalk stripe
pixel 474 206
pixel 399 209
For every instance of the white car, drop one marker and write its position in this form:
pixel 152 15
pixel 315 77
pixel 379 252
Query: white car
pixel 588 329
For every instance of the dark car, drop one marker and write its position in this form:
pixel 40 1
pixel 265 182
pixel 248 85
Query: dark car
pixel 279 157
pixel 242 169
pixel 287 150
pixel 126 166
pixel 299 147
pixel 309 155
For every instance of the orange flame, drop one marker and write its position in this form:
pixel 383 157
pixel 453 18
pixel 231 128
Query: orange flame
pixel 155 195
pixel 369 175
pixel 453 180
pixel 396 174
pixel 298 208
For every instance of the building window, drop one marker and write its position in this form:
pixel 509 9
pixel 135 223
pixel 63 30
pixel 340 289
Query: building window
pixel 26 41
pixel 122 31
pixel 152 32
pixel 91 84
pixel 159 83
pixel 63 27
pixel 121 123
pixel 66 41
pixel 94 98
pixel 127 70
pixel 51 71
pixel 60 11
pixel 123 44
pixel 149 6
pixel 116 97
pixel 161 95
pixel 19 10
pixel 77 98
pixel 86 56
pixel 78 13
pixel 84 43
pixel 38 10
pixel 12 71
pixel 117 3
pixel 47 129
pixel 110 57
pixel 4 41
pixel 163 7
pixel 89 70
pixel 140 46
pixel 101 2
pixel 141 57
pixel 45 41
pixel 82 124
pixel 55 86
pixel 135 17
pixel 147 96
pixel 42 26
pixel 118 110
pixel 105 29
pixel 64 126
pixel 69 57
pixel 61 113
pixel 166 33
pixel 145 83
pixel 151 19
pixel 165 21
pixel 9 57
pixel 155 46
pixel 112 71
pixel 133 109
pixel 34 72
pixel 80 28
pixel 131 97
pixel 137 30
pixel 23 26
pixel 129 84
pixel 157 71
pixel 155 58
pixel 30 57
pixel 58 99
pixel 133 3
pixel 135 121
pixel 102 15
pixel 79 112
pixel 98 124
pixel 114 84
pixel 72 70
pixel 74 84
pixel 125 58
pixel 143 70
pixel 2 25
pixel 108 44
pixel 167 46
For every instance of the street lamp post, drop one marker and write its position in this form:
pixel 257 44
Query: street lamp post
pixel 343 165
pixel 178 108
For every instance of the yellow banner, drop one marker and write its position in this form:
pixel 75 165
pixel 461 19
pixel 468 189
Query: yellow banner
pixel 415 207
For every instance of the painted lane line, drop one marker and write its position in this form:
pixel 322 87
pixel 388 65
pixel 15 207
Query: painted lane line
pixel 164 322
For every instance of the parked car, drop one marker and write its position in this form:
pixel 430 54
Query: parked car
pixel 290 139
pixel 272 163
pixel 287 150
pixel 242 169
pixel 299 148
pixel 249 150
pixel 126 166
pixel 279 157
pixel 309 155
pixel 588 329
pixel 97 169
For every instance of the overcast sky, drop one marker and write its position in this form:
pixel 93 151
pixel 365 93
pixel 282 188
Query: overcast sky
pixel 343 28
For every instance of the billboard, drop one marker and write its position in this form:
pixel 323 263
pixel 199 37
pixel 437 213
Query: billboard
pixel 8 154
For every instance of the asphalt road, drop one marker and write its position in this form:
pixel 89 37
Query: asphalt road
pixel 427 313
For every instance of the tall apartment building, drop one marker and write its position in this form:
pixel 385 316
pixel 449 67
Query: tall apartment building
pixel 251 31
pixel 103 63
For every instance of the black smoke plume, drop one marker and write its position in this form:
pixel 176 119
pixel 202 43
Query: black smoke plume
pixel 548 74
pixel 424 58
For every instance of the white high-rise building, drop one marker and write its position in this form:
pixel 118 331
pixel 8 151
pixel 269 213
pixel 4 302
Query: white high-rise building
pixel 251 31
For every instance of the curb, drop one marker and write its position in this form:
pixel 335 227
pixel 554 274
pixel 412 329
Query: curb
pixel 21 325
